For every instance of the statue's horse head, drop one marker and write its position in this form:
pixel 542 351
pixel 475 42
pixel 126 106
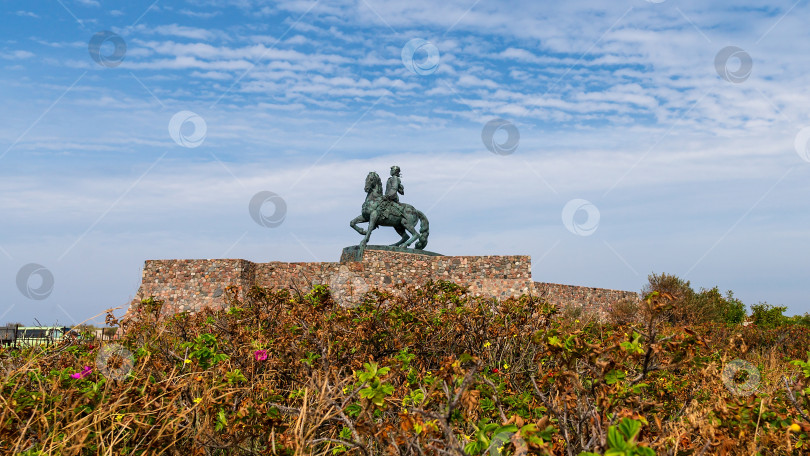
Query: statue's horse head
pixel 372 180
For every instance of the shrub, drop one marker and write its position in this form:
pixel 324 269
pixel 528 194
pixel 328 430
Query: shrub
pixel 768 316
pixel 690 307
pixel 625 312
pixel 800 320
pixel 432 372
pixel 720 309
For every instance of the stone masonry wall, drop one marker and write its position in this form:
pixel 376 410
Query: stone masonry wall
pixel 594 302
pixel 495 276
pixel 187 285
pixel 190 285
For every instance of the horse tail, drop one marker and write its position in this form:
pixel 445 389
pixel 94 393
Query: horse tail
pixel 424 230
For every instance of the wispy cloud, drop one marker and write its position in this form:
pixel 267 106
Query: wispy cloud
pixel 622 106
pixel 16 55
pixel 27 14
pixel 199 14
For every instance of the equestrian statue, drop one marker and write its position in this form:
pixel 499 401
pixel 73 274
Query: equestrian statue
pixel 384 209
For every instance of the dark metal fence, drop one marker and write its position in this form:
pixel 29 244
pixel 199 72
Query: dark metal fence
pixel 22 336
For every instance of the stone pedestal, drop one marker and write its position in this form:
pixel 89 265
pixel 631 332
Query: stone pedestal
pixel 355 253
pixel 190 285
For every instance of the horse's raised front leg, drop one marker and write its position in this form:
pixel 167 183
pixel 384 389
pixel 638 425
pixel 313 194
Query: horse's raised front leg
pixel 355 221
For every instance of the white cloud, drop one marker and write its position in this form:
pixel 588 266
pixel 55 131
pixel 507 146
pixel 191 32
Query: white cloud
pixel 16 55
pixel 218 75
pixel 183 31
pixel 473 81
pixel 297 39
pixel 199 14
pixel 54 44
pixel 186 62
pixel 619 106
pixel 254 52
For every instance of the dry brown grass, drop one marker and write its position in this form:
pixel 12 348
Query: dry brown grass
pixel 430 372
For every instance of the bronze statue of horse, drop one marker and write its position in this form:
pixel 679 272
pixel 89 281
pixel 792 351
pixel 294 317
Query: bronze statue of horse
pixel 378 211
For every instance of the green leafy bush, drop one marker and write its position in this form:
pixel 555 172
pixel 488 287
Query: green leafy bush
pixel 429 371
pixel 691 307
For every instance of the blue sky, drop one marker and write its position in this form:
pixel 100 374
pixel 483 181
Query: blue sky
pixel 653 137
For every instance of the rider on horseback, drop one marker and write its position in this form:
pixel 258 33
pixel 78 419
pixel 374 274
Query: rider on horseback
pixel 394 185
pixel 393 188
pixel 384 209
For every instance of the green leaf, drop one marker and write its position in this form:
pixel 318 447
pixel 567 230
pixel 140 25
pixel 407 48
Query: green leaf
pixel 353 410
pixel 508 429
pixel 614 376
pixel 222 421
pixel 367 392
pixel 235 376
pixel 629 428
pixel 473 448
pixel 615 452
pixel 615 439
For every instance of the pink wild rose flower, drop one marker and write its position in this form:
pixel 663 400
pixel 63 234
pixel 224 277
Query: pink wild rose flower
pixel 260 355
pixel 83 373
